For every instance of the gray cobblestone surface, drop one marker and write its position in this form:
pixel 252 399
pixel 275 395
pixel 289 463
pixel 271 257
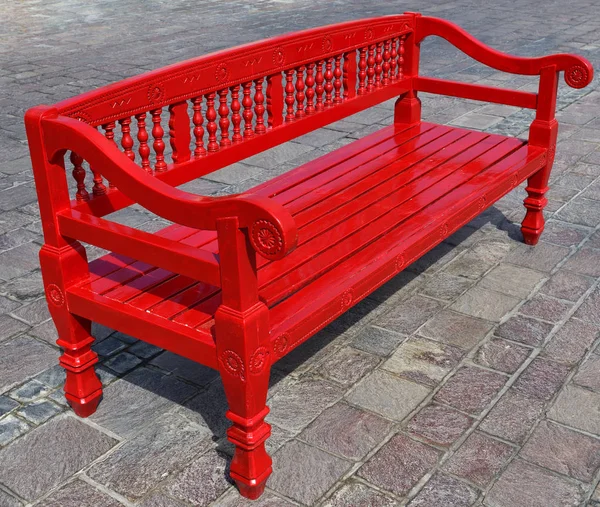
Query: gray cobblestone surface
pixel 454 376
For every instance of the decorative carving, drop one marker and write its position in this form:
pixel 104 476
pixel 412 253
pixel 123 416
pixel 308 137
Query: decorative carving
pixel 258 360
pixel 481 203
pixel 222 72
pixel 327 44
pixel 368 34
pixel 400 262
pixel 278 56
pixel 155 93
pixel 79 176
pixel 55 295
pixel 577 76
pixel 346 299
pixel 444 231
pixel 233 364
pixel 281 344
pixel 266 238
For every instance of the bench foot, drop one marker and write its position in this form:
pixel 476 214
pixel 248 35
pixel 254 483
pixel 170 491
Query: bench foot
pixel 251 492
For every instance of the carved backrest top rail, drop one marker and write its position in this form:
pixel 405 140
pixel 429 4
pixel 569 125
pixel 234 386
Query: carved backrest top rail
pixel 216 71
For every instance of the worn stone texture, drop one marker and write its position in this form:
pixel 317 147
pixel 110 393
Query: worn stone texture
pixel 78 493
pixel 479 459
pixel 346 431
pixel 400 399
pixel 439 425
pixel 30 465
pixel 152 455
pixel 471 389
pixel 399 464
pixel 483 298
pixel 445 491
pixel 525 484
pixel 307 479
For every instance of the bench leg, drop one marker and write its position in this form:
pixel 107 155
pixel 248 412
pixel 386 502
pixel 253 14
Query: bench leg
pixel 407 109
pixel 535 202
pixel 541 133
pixel 244 363
pixel 60 266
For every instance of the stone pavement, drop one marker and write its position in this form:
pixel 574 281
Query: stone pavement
pixel 473 378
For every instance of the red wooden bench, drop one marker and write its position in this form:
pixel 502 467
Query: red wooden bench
pixel 327 233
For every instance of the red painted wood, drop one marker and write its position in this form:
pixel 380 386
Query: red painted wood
pixel 179 132
pixel 327 233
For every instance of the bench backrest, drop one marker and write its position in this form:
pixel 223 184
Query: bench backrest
pixel 229 105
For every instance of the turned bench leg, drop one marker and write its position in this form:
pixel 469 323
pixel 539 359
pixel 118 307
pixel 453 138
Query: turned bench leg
pixel 245 363
pixel 60 266
pixel 535 202
pixel 541 133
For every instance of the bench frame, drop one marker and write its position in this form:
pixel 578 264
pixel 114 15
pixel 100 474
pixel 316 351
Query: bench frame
pixel 240 346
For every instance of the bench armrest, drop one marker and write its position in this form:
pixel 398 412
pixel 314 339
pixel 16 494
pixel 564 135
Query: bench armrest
pixel 578 70
pixel 271 228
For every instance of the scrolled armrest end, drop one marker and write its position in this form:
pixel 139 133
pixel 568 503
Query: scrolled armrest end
pixel 580 74
pixel 271 228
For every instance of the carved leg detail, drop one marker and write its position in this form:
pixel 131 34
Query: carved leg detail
pixel 535 202
pixel 244 363
pixel 83 388
pixel 60 268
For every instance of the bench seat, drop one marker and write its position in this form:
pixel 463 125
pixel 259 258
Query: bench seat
pixel 383 193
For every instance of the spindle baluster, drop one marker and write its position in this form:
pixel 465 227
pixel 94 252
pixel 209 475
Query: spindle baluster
pixel 179 132
pixel 158 145
pixel 371 69
pixel 300 95
pixel 142 136
pixel 362 71
pixel 319 86
pixel 378 66
pixel 337 80
pixel 99 188
pixel 224 120
pixel 310 91
pixel 211 125
pixel 289 95
pixel 393 62
pixel 386 63
pixel 126 139
pixel 236 117
pixel 79 176
pixel 328 82
pixel 109 133
pixel 197 119
pixel 247 114
pixel 401 58
pixel 259 106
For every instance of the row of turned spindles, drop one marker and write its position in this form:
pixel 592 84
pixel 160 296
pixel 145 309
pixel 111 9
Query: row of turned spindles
pixel 307 89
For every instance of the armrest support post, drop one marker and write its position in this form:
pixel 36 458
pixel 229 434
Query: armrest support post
pixel 408 106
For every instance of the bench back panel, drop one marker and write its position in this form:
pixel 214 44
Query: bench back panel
pixel 233 97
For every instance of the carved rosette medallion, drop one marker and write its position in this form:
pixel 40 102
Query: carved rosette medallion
pixel 577 76
pixel 327 44
pixel 233 364
pixel 346 299
pixel 258 360
pixel 266 238
pixel 155 93
pixel 443 231
pixel 400 262
pixel 278 56
pixel 281 344
pixel 481 203
pixel 221 73
pixel 368 34
pixel 55 295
